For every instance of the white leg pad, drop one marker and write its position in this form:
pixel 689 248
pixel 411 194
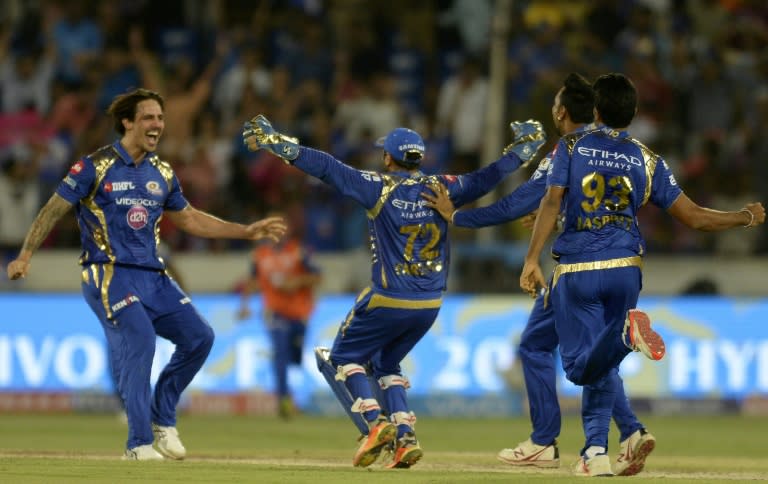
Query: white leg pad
pixel 404 418
pixel 366 405
pixel 393 380
pixel 343 371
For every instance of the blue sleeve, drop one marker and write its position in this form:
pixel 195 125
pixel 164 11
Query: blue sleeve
pixel 522 201
pixel 176 200
pixel 362 186
pixel 560 166
pixel 664 187
pixel 78 183
pixel 467 188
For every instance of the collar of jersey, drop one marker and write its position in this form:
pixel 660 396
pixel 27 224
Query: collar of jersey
pixel 588 127
pixel 406 174
pixel 124 154
pixel 614 133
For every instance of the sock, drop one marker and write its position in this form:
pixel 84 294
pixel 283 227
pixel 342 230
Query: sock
pixel 593 450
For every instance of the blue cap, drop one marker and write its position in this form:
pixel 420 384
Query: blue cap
pixel 404 145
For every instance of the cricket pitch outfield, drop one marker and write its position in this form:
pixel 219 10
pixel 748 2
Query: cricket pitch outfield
pixel 87 448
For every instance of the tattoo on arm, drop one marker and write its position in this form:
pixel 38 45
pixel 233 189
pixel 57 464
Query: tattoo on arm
pixel 45 221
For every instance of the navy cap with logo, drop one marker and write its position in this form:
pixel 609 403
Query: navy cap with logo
pixel 405 145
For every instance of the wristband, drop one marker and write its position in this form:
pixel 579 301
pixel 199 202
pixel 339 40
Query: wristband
pixel 453 214
pixel 747 225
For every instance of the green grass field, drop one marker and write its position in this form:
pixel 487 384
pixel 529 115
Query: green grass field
pixel 87 448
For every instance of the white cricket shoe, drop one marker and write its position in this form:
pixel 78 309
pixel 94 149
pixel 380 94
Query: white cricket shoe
pixel 597 466
pixel 633 452
pixel 168 442
pixel 529 454
pixel 142 452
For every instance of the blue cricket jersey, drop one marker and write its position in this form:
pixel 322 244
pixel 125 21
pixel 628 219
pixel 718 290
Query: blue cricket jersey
pixel 522 201
pixel 119 204
pixel 608 176
pixel 408 240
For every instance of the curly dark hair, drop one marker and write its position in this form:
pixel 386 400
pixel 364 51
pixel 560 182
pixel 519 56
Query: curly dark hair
pixel 124 106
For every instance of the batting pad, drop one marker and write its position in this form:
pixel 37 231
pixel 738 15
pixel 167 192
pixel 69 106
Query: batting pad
pixel 324 365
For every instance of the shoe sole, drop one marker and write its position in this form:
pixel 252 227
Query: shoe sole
pixel 408 459
pixel 548 464
pixel 169 454
pixel 136 457
pixel 366 457
pixel 643 337
pixel 582 470
pixel 638 460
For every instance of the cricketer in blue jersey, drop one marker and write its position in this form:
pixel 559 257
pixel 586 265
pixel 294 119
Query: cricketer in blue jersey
pixel 601 178
pixel 572 112
pixel 409 270
pixel 120 192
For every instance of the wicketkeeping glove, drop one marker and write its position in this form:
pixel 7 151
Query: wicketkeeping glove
pixel 258 133
pixel 527 138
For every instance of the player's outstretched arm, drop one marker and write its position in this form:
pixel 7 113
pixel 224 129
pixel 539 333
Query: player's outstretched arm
pixel 528 137
pixel 709 220
pixel 202 224
pixel 46 219
pixel 521 202
pixel 532 278
pixel 259 134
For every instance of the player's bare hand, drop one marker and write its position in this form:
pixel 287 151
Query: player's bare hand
pixel 529 220
pixel 532 279
pixel 269 228
pixel 758 213
pixel 439 200
pixel 17 269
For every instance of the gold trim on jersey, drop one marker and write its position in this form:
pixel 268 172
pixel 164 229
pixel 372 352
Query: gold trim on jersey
pixel 347 322
pixel 164 168
pixel 380 301
pixel 95 274
pixel 384 282
pixel 351 312
pixel 157 237
pixel 650 160
pixel 390 183
pixel 362 294
pixel 571 139
pixel 560 269
pixel 166 171
pixel 108 273
pixel 102 159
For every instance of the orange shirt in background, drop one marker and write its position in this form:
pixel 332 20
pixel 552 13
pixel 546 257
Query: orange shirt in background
pixel 273 263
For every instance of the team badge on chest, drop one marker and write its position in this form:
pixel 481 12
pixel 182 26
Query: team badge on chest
pixel 154 188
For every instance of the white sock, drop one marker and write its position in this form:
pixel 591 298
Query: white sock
pixel 593 450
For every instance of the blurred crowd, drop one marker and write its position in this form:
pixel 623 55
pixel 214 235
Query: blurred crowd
pixel 340 73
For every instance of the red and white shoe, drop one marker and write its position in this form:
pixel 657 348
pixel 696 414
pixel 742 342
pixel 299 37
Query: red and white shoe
pixel 638 335
pixel 597 466
pixel 633 452
pixel 529 454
